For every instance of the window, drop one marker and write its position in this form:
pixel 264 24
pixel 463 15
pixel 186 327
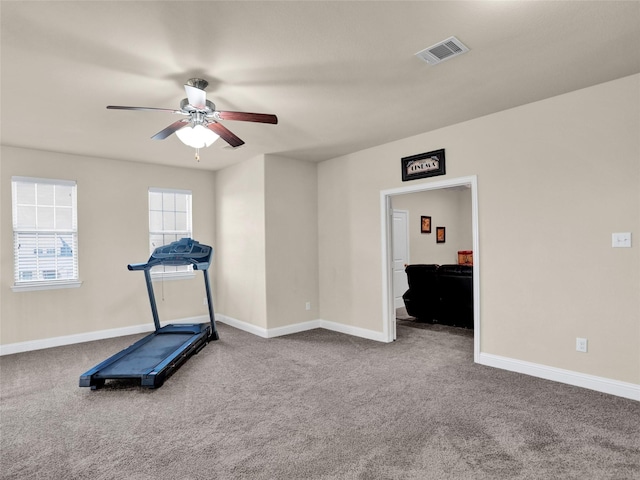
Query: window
pixel 45 233
pixel 169 221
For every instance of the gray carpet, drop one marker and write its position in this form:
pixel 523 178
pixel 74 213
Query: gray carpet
pixel 314 405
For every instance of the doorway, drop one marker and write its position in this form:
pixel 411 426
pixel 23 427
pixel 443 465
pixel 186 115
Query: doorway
pixel 388 277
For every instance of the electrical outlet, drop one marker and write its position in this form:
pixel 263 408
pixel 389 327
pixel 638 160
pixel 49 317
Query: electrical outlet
pixel 621 240
pixel 204 301
pixel 581 345
pixel 307 306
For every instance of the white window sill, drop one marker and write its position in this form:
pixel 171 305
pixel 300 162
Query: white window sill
pixel 163 277
pixel 33 286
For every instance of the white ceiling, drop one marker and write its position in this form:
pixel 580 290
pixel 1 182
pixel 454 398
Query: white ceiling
pixel 341 76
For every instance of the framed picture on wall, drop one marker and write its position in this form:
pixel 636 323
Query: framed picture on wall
pixel 440 234
pixel 429 164
pixel 425 224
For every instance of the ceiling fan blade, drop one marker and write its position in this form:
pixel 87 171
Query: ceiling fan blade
pixel 162 134
pixel 118 107
pixel 247 117
pixel 197 98
pixel 225 134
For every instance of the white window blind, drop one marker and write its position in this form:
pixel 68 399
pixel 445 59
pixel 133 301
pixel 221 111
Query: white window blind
pixel 169 221
pixel 45 231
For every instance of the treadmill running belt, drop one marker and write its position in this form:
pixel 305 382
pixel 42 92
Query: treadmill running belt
pixel 147 356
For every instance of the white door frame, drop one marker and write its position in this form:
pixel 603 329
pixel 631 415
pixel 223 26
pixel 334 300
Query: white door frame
pixel 386 214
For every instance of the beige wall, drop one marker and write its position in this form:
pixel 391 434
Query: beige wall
pixel 112 232
pixel 240 242
pixel 291 188
pixel 267 240
pixel 555 179
pixel 447 207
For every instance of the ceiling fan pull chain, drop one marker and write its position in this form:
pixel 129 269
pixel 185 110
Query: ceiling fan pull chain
pixel 198 155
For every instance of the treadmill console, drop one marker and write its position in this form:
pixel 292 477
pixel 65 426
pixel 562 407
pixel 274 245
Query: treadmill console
pixel 185 251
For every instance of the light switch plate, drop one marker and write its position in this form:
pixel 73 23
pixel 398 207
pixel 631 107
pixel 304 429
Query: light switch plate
pixel 621 240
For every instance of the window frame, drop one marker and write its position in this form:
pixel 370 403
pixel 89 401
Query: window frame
pixel 162 272
pixel 44 284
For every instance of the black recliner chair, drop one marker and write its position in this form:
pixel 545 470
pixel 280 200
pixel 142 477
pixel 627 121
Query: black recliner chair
pixel 422 299
pixel 455 284
pixel 440 294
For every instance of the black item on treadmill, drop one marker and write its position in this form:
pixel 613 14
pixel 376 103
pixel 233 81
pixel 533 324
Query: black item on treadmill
pixel 153 358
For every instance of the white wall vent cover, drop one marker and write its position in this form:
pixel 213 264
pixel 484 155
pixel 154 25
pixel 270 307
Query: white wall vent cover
pixel 449 48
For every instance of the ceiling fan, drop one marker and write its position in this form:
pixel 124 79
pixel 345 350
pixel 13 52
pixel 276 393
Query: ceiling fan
pixel 200 126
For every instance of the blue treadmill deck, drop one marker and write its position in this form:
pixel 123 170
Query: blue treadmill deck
pixel 151 359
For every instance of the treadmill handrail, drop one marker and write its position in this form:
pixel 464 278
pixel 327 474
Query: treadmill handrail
pixel 137 266
pixel 153 262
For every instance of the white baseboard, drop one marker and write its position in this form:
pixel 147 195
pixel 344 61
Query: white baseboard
pixel 20 347
pixel 244 326
pixel 592 382
pixel 301 327
pixel 354 331
pixel 28 346
pixel 270 332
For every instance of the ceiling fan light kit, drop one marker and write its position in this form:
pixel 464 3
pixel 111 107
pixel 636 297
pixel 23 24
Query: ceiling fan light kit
pixel 196 136
pixel 201 127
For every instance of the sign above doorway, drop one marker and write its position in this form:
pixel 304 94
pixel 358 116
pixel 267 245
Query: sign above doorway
pixel 429 164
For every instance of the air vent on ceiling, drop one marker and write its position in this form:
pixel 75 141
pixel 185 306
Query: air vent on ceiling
pixel 449 48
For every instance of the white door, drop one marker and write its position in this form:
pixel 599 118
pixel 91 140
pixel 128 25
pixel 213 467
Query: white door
pixel 400 240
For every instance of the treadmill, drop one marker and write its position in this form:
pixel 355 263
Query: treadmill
pixel 156 356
